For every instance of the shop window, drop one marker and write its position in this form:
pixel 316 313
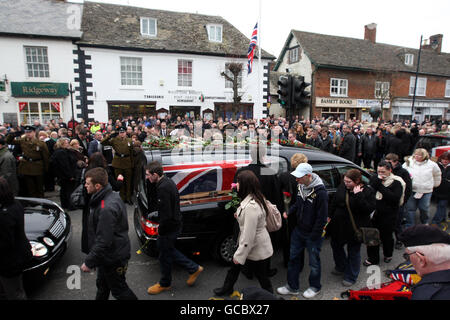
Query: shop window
pixel 42 111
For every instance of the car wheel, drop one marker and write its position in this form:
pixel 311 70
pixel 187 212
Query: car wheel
pixel 225 248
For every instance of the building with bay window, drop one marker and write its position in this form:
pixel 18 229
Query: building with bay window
pixel 36 59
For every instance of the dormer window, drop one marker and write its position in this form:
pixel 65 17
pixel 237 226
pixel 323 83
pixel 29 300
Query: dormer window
pixel 409 59
pixel 148 27
pixel 214 32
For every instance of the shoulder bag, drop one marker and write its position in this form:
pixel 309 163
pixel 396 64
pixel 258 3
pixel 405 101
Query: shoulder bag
pixel 273 217
pixel 369 236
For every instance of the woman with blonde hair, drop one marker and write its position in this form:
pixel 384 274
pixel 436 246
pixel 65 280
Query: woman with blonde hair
pixel 425 175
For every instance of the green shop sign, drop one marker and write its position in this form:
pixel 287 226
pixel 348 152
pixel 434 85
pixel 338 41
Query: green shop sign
pixel 39 89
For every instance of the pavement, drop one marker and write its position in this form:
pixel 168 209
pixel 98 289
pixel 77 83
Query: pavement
pixel 65 281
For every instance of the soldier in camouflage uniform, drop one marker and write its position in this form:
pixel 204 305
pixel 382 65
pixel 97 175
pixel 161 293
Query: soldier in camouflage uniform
pixel 122 161
pixel 33 162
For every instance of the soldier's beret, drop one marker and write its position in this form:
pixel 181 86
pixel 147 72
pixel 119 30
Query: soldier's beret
pixel 422 235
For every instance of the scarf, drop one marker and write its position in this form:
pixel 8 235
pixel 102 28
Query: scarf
pixel 387 182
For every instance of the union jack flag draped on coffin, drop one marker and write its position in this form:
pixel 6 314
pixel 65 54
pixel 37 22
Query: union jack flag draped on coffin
pixel 251 48
pixel 215 176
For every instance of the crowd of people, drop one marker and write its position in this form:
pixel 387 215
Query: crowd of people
pixel 109 156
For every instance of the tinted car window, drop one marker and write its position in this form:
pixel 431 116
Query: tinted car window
pixel 325 172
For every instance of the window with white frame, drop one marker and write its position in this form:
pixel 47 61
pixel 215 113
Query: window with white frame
pixel 42 111
pixel 184 73
pixel 409 59
pixel 338 87
pixel 382 89
pixel 36 59
pixel 228 83
pixel 148 27
pixel 293 55
pixel 215 32
pixel 421 86
pixel 447 89
pixel 131 71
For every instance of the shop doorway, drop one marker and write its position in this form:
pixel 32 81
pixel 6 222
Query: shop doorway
pixel 193 113
pixel 225 110
pixel 122 109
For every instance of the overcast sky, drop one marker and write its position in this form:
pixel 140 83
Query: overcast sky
pixel 399 22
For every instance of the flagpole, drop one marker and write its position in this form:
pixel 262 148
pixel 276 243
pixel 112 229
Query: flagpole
pixel 260 95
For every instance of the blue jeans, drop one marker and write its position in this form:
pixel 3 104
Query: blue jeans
pixel 411 207
pixel 168 255
pixel 348 263
pixel 441 211
pixel 300 242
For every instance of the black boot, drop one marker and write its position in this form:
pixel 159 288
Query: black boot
pixel 223 291
pixel 230 280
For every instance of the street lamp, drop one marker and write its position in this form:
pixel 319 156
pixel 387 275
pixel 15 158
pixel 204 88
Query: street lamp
pixel 71 91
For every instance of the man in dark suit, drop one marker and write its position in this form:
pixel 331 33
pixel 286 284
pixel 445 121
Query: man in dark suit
pixel 347 148
pixel 95 145
pixel 83 140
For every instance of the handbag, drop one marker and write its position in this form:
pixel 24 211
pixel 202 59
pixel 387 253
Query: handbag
pixel 369 236
pixel 273 217
pixel 77 198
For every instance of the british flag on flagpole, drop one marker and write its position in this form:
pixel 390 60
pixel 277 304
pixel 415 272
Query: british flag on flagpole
pixel 251 48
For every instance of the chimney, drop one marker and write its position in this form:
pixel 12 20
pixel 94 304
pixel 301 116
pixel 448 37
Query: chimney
pixel 370 32
pixel 434 43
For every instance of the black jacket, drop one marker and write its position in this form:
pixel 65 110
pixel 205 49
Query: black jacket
pixel 347 148
pixel 404 174
pixel 387 207
pixel 362 205
pixel 108 240
pixel 327 144
pixel 168 205
pixel 116 186
pixel 63 164
pixel 369 145
pixel 433 286
pixel 312 212
pixel 14 245
pixel 443 191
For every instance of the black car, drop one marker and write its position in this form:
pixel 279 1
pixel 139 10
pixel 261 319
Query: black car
pixel 430 141
pixel 204 183
pixel 48 228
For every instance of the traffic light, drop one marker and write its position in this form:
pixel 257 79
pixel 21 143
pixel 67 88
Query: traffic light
pixel 300 97
pixel 285 91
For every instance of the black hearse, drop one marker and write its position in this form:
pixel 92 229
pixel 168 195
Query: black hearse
pixel 204 181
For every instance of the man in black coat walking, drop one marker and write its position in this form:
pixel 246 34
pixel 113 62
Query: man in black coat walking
pixel 168 207
pixel 108 242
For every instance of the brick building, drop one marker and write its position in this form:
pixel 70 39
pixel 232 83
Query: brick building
pixel 348 76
